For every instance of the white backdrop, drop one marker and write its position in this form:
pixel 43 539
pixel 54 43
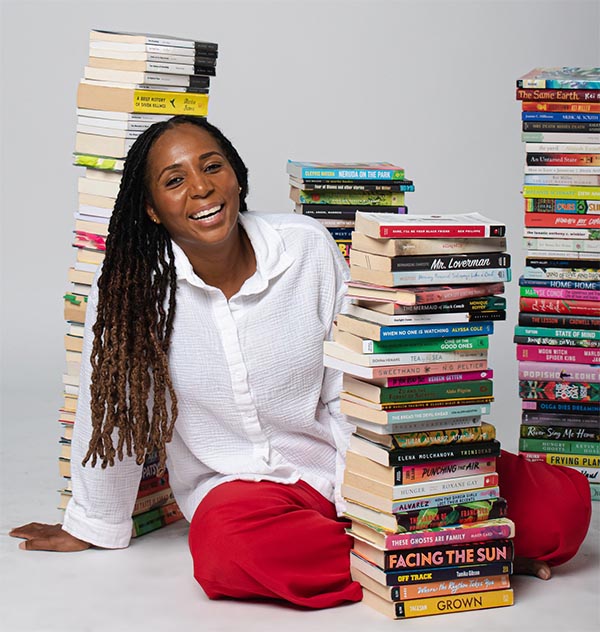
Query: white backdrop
pixel 426 84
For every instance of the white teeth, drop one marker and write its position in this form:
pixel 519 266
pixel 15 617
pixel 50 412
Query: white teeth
pixel 207 212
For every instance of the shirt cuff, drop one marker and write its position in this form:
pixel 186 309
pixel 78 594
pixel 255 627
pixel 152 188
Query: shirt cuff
pixel 95 530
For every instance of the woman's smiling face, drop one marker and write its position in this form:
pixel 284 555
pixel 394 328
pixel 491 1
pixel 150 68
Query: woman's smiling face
pixel 192 188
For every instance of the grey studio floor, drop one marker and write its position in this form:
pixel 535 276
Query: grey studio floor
pixel 149 586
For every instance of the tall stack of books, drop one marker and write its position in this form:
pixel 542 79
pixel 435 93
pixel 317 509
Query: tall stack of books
pixel 130 82
pixel 333 192
pixel 558 333
pixel 430 530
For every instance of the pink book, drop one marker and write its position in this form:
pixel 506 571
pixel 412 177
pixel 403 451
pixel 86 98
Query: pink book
pixel 438 379
pixel 558 371
pixel 575 355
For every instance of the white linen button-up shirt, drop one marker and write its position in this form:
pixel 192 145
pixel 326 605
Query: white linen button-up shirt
pixel 255 402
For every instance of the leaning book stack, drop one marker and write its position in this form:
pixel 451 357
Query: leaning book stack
pixel 558 333
pixel 130 82
pixel 430 530
pixel 332 193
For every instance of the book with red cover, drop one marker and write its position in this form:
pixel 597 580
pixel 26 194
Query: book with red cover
pixel 389 225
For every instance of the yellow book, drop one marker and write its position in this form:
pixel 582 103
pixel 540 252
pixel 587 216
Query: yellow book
pixel 99 97
pixel 439 605
pixel 564 193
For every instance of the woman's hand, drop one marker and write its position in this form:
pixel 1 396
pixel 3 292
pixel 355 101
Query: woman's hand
pixel 47 537
pixel 527 566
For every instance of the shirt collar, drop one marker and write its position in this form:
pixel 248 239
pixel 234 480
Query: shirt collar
pixel 271 255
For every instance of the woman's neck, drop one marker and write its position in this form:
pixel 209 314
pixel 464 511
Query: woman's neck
pixel 225 266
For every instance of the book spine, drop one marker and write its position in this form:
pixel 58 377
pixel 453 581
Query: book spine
pixel 436 331
pixel 562 160
pixel 558 407
pixel 559 433
pixel 483 432
pixel 559 447
pixel 556 419
pixel 553 106
pixel 566 260
pixel 557 180
pixel 331 173
pixel 438 453
pixel 323 211
pixel 343 186
pixel 447 262
pixel 442 470
pixel 574 273
pixel 575 355
pixel 430 488
pixel 575 334
pixel 559 116
pixel 428 344
pixel 564 284
pixel 559 95
pixel 423 414
pixel 436 403
pixel 568 460
pixel 588 127
pixel 407 578
pixel 472 532
pixel 435 277
pixel 433 589
pixel 155 519
pixel 484 304
pixel 559 391
pixel 558 83
pixel 454 555
pixel 393 382
pixel 384 200
pixel 559 306
pixel 561 192
pixel 558 372
pixel 455 603
pixel 546 220
pixel 477 388
pixel 554 169
pixel 549 341
pixel 445 232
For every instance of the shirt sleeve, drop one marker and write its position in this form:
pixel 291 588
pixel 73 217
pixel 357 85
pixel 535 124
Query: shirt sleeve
pixel 341 428
pixel 103 498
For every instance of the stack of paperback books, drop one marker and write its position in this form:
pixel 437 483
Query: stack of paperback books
pixel 333 192
pixel 130 82
pixel 430 529
pixel 558 333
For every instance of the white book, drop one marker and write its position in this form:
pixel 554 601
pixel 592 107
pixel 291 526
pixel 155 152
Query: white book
pixel 97 187
pixel 418 426
pixel 122 116
pixel 130 134
pixel 114 124
pixel 405 319
pixel 134 76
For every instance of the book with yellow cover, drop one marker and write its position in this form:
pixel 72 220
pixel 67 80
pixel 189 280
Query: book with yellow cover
pixel 439 605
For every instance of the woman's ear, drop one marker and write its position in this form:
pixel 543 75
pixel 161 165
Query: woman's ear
pixel 151 214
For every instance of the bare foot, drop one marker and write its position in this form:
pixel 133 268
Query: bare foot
pixel 527 566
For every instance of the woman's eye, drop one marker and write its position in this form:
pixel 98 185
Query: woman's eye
pixel 173 181
pixel 213 166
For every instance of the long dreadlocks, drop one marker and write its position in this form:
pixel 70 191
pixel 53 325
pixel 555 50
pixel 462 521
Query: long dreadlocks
pixel 136 308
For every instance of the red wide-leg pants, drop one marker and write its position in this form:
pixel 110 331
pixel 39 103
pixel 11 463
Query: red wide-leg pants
pixel 275 541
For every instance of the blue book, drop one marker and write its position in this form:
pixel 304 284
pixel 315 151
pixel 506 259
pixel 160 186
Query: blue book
pixel 565 284
pixel 374 331
pixel 562 77
pixel 344 171
pixel 559 116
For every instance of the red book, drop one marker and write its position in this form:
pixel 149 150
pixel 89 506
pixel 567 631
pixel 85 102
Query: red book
pixel 559 220
pixel 559 306
pixel 562 159
pixel 554 106
pixel 391 225
pixel 551 94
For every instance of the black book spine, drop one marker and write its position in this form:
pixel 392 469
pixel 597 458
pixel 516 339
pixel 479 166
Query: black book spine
pixel 206 48
pixel 357 186
pixel 575 264
pixel 558 321
pixel 199 81
pixel 486 303
pixel 203 69
pixel 399 456
pixel 549 341
pixel 561 126
pixel 394 578
pixel 558 419
pixel 452 262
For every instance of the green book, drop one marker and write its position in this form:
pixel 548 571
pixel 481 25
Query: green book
pixel 559 447
pixel 423 392
pixel 551 332
pixel 467 343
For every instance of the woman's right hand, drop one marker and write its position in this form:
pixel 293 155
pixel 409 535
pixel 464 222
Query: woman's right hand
pixel 47 537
